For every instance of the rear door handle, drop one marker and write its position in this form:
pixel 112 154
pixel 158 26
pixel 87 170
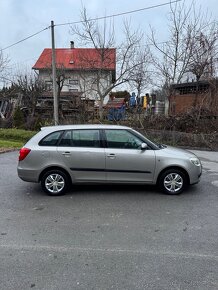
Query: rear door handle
pixel 66 153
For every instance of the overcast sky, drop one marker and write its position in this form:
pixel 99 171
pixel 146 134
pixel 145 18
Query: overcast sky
pixel 21 18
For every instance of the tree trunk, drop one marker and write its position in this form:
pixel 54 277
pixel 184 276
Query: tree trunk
pixel 101 115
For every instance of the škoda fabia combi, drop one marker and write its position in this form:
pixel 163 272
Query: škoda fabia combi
pixel 60 156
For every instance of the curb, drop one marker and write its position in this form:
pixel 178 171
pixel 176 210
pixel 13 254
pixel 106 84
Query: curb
pixel 7 150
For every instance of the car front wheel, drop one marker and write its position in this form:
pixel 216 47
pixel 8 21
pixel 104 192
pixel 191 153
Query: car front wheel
pixel 173 181
pixel 55 182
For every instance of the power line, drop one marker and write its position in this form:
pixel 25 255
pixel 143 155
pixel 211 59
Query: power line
pixel 93 19
pixel 32 35
pixel 119 14
pixel 49 53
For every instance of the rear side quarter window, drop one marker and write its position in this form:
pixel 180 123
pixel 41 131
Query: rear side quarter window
pixel 51 139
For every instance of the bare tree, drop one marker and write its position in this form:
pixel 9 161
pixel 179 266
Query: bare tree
pixel 172 57
pixel 203 59
pixel 140 77
pixel 4 60
pixel 102 39
pixel 31 88
pixel 184 51
pixel 61 76
pixel 190 48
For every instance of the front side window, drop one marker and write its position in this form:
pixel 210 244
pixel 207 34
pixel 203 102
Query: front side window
pixel 81 138
pixel 122 139
pixel 51 139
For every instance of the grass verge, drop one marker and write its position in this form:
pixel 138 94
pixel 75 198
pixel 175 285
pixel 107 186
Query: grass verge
pixel 10 144
pixel 14 138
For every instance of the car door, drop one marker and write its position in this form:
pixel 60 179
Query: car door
pixel 125 160
pixel 82 153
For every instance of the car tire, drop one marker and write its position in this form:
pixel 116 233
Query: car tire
pixel 55 182
pixel 173 181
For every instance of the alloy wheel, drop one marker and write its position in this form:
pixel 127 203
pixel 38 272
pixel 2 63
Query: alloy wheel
pixel 173 182
pixel 54 183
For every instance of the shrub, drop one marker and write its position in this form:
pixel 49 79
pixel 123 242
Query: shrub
pixel 18 119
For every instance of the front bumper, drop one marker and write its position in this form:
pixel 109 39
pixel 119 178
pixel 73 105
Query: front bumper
pixel 195 175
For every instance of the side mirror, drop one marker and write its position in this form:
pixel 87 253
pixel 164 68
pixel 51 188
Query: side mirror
pixel 144 146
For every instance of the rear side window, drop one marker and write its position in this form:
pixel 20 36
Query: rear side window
pixel 51 139
pixel 81 138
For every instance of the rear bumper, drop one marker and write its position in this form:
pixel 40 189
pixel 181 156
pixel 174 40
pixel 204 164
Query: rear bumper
pixel 28 175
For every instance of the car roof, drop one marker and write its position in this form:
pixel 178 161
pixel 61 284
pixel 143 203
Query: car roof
pixel 83 126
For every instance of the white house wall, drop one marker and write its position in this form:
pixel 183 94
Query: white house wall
pixel 86 80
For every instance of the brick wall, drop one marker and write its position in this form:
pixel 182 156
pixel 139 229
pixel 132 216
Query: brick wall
pixel 181 103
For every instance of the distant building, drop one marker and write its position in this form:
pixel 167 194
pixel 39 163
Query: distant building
pixel 81 69
pixel 194 94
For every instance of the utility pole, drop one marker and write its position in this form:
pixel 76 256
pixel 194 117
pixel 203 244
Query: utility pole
pixel 55 97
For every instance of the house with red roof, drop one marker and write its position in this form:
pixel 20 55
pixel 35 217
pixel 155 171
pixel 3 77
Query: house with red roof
pixel 82 69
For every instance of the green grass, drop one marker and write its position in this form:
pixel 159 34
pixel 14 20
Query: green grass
pixel 10 144
pixel 14 138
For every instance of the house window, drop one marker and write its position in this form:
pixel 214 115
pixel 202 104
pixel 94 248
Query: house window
pixel 48 85
pixel 73 90
pixel 73 82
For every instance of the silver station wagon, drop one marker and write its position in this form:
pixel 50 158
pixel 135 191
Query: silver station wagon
pixel 60 156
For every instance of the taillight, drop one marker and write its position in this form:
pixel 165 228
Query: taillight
pixel 23 153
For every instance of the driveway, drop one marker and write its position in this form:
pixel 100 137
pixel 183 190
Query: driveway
pixel 108 237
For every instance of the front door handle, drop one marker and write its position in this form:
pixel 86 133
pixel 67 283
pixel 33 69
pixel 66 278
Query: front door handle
pixel 111 155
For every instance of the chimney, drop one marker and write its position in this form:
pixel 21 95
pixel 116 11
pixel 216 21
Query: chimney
pixel 72 44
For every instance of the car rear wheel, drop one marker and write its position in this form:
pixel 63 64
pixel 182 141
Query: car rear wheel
pixel 55 182
pixel 173 181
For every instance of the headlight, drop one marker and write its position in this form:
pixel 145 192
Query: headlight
pixel 195 161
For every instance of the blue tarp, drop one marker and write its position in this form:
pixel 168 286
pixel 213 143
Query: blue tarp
pixel 117 113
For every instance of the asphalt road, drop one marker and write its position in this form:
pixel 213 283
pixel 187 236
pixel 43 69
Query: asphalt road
pixel 108 237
